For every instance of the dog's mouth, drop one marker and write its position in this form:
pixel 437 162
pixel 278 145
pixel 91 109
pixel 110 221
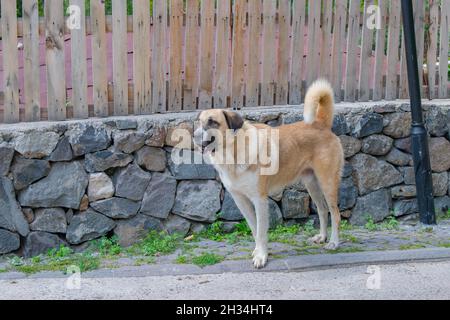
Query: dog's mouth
pixel 209 145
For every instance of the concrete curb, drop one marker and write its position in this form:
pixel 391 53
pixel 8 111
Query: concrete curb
pixel 290 264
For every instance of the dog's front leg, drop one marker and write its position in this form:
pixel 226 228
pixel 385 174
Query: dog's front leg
pixel 260 255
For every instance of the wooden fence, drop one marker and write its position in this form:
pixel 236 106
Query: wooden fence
pixel 191 54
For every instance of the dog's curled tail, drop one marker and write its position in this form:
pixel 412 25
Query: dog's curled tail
pixel 319 103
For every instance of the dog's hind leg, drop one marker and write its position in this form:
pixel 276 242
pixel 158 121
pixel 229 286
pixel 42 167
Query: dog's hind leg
pixel 247 210
pixel 313 188
pixel 329 184
pixel 260 255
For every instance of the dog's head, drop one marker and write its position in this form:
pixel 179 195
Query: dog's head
pixel 213 123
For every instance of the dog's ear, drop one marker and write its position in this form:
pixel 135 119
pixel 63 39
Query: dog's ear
pixel 234 120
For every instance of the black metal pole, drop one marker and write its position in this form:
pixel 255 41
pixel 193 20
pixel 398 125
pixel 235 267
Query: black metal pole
pixel 419 137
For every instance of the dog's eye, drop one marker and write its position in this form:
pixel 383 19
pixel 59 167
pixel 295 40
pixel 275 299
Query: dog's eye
pixel 212 123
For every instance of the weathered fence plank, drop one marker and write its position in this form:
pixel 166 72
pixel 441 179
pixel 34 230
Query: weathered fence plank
pixel 325 49
pixel 31 60
pixel 223 34
pixel 269 62
pixel 298 51
pixel 284 52
pixel 141 59
pixel 99 60
pixel 380 46
pixel 366 55
pixel 239 26
pixel 432 51
pixel 56 83
pixel 159 65
pixel 313 56
pixel 338 47
pixel 120 59
pixel 443 49
pixel 176 55
pixel 254 60
pixel 79 65
pixel 393 58
pixel 206 54
pixel 191 80
pixel 352 43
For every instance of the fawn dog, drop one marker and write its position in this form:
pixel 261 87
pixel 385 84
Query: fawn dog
pixel 306 151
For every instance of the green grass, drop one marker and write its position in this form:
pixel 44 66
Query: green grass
pixel 444 245
pixel 207 259
pixel 284 234
pixel 389 224
pixel 412 246
pixel 215 232
pixel 443 216
pixel 108 247
pixel 156 244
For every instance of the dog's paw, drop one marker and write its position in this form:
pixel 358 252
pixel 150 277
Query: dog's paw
pixel 260 258
pixel 318 239
pixel 332 246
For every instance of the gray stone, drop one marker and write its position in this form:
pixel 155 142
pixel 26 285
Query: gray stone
pixel 129 141
pixel 371 174
pixel 230 211
pixel 295 204
pixel 229 227
pixel 126 124
pixel 403 145
pixel 377 145
pixel 177 225
pixel 192 168
pixel 104 160
pixel 117 208
pixel 376 205
pixel 36 144
pixel 347 170
pixel 398 158
pixel 159 197
pixel 38 242
pixel 6 156
pixel 87 139
pixel 135 229
pixel 348 193
pixel 197 227
pixel 64 187
pixel 408 175
pixel 398 125
pixel 340 126
pixel 292 118
pixel 440 154
pixel 63 151
pixel 275 215
pixel 87 226
pixel 440 184
pixel 28 213
pixel 11 216
pixel 156 137
pixel 9 241
pixel 436 122
pixel 100 187
pixel 442 204
pixel 27 171
pixel 367 124
pixel 50 220
pixel 408 191
pixel 198 200
pixel 131 182
pixel 69 216
pixel 152 159
pixel 405 207
pixel 350 145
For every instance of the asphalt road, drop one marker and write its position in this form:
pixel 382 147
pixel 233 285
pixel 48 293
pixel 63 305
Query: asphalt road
pixel 428 280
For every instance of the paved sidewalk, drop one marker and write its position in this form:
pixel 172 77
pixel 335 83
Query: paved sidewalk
pixel 399 281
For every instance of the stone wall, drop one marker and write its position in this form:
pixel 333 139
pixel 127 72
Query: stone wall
pixel 72 182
